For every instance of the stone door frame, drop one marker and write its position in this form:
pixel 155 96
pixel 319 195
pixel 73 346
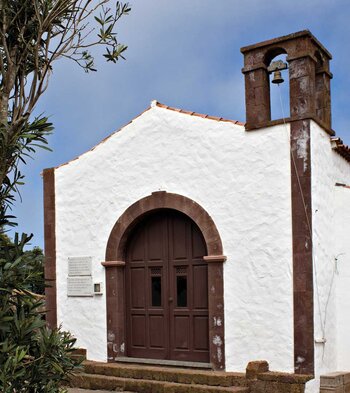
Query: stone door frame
pixel 115 263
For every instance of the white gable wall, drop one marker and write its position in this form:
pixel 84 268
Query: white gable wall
pixel 342 276
pixel 341 257
pixel 242 179
pixel 331 226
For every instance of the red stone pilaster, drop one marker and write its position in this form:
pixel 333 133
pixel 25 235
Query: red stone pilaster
pixel 303 294
pixel 50 247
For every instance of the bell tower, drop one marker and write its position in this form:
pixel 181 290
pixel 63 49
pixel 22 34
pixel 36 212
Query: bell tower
pixel 309 79
pixel 309 95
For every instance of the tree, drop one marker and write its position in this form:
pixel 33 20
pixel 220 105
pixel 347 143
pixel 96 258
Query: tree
pixel 33 35
pixel 35 262
pixel 33 359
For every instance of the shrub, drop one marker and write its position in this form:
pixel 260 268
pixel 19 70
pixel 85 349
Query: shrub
pixel 33 358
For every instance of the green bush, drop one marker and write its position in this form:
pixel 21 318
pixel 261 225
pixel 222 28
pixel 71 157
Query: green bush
pixel 33 359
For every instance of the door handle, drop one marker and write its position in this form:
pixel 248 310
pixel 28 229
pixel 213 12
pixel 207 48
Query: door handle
pixel 170 299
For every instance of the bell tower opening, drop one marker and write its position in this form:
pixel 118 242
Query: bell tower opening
pixel 279 87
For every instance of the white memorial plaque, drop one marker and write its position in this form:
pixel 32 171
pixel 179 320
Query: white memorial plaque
pixel 80 286
pixel 79 266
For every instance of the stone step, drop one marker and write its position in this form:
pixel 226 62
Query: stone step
pixel 104 382
pixel 166 374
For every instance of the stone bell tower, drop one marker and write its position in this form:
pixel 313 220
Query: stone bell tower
pixel 309 79
pixel 309 89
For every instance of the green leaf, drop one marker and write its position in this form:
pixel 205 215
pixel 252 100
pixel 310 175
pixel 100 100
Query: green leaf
pixel 100 21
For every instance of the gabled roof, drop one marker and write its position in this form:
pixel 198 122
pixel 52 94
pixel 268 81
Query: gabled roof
pixel 340 148
pixel 155 103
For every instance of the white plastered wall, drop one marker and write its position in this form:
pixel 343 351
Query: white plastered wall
pixel 342 278
pixel 242 179
pixel 331 223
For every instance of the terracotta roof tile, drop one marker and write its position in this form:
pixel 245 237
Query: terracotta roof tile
pixel 204 116
pixel 340 148
pixel 186 112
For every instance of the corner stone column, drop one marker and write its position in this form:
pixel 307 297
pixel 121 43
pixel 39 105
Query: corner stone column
pixel 302 105
pixel 303 293
pixel 323 97
pixel 50 247
pixel 302 87
pixel 257 96
pixel 216 310
pixel 115 309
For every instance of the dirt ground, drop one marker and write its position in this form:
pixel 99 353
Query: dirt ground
pixel 88 391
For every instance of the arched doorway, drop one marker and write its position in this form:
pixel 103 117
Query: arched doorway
pixel 115 264
pixel 166 282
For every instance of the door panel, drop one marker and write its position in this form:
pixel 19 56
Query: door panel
pixel 156 335
pixel 179 238
pixel 201 332
pixel 138 329
pixel 138 291
pixel 167 289
pixel 200 282
pixel 182 332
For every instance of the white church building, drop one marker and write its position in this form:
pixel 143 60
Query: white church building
pixel 184 237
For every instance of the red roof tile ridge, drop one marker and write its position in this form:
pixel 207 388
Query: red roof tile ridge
pixel 202 115
pixel 340 148
pixel 336 139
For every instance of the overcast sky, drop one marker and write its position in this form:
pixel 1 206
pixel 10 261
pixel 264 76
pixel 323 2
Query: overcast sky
pixel 184 53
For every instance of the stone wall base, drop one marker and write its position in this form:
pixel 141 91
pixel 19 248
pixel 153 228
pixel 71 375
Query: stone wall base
pixel 261 380
pixel 336 382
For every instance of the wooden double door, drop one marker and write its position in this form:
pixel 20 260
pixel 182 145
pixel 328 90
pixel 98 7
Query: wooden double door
pixel 167 289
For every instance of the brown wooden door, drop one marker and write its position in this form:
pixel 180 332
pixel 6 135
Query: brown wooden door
pixel 167 289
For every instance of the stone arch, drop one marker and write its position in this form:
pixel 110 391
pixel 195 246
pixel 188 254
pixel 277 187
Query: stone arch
pixel 161 200
pixel 278 55
pixel 115 262
pixel 272 53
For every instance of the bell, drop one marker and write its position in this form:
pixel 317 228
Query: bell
pixel 277 77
